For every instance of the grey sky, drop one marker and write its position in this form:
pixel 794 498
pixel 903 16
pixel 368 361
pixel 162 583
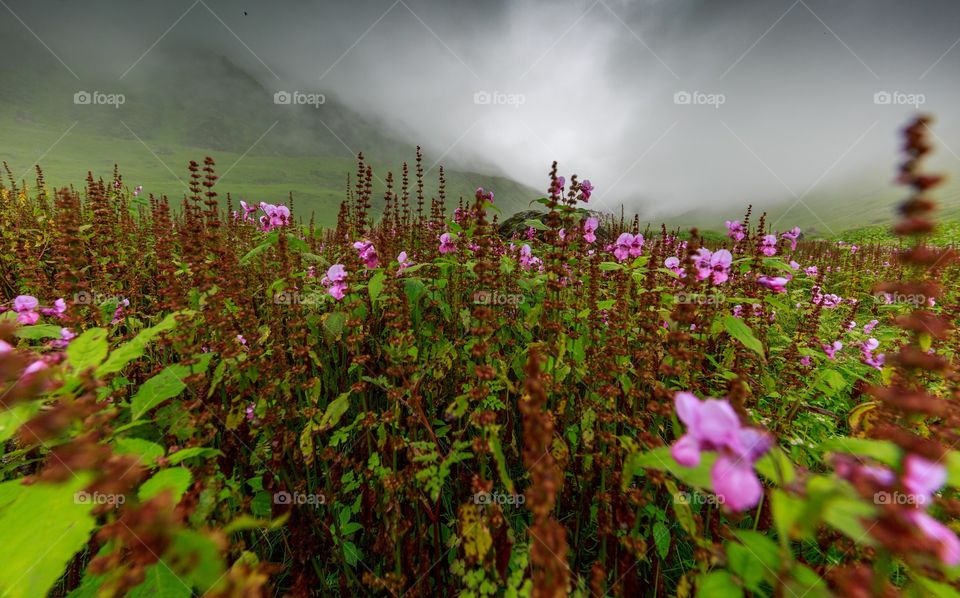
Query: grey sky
pixel 592 84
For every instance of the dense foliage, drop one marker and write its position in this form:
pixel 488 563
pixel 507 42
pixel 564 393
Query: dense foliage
pixel 221 399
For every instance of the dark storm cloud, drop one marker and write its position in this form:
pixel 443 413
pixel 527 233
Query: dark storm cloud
pixel 665 105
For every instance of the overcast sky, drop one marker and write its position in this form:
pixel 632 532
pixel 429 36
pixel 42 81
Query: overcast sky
pixel 663 104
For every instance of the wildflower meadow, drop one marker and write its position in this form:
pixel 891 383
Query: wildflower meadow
pixel 219 397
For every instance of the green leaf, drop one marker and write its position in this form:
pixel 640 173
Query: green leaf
pixel 883 451
pixel 165 385
pixel 775 464
pixel 718 584
pixel 333 324
pixel 755 560
pixel 202 565
pixel 89 349
pixel 736 328
pixel 661 537
pixel 660 458
pixel 11 419
pixel 161 582
pixel 375 286
pixel 146 450
pixel 43 528
pixel 176 479
pixel 335 411
pixel 193 451
pixel 608 266
pixel 535 224
pixel 38 332
pixel 134 348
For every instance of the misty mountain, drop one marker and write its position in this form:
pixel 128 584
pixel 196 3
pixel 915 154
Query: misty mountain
pixel 187 103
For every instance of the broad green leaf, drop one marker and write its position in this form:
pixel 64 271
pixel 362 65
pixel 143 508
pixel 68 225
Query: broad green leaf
pixel 775 464
pixel 883 451
pixel 38 332
pixel 146 450
pixel 11 419
pixel 737 329
pixel 200 557
pixel 165 385
pixel 161 582
pixel 134 348
pixel 661 538
pixel 43 528
pixel 176 479
pixel 89 349
pixel 660 458
pixel 718 584
pixel 375 286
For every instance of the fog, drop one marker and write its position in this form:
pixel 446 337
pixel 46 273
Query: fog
pixel 667 106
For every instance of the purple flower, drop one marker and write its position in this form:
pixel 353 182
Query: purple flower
pixel 527 260
pixel 811 271
pixel 776 283
pixel 25 303
pixel 275 215
pixel 868 328
pixel 403 261
pixel 336 275
pixel 589 227
pixel 447 243
pixel 793 234
pixel 735 230
pixel 949 546
pixel 831 350
pixel 586 190
pixel 713 425
pixel 769 245
pixel 368 254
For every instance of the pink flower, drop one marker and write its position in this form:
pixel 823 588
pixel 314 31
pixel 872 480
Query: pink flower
pixel 868 328
pixel 811 271
pixel 793 234
pixel 589 227
pixel 949 545
pixel 336 275
pixel 368 254
pixel 275 215
pixel 527 260
pixel 805 361
pixel 241 340
pixel 447 243
pixel 628 245
pixel 673 263
pixel 776 283
pixel 794 265
pixel 831 350
pixel 248 210
pixel 713 425
pixel 586 190
pixel 769 245
pixel 403 261
pixel 482 195
pixel 735 230
pixel 720 265
pixel 25 303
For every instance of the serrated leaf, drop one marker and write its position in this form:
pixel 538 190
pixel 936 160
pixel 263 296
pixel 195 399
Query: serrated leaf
pixel 737 329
